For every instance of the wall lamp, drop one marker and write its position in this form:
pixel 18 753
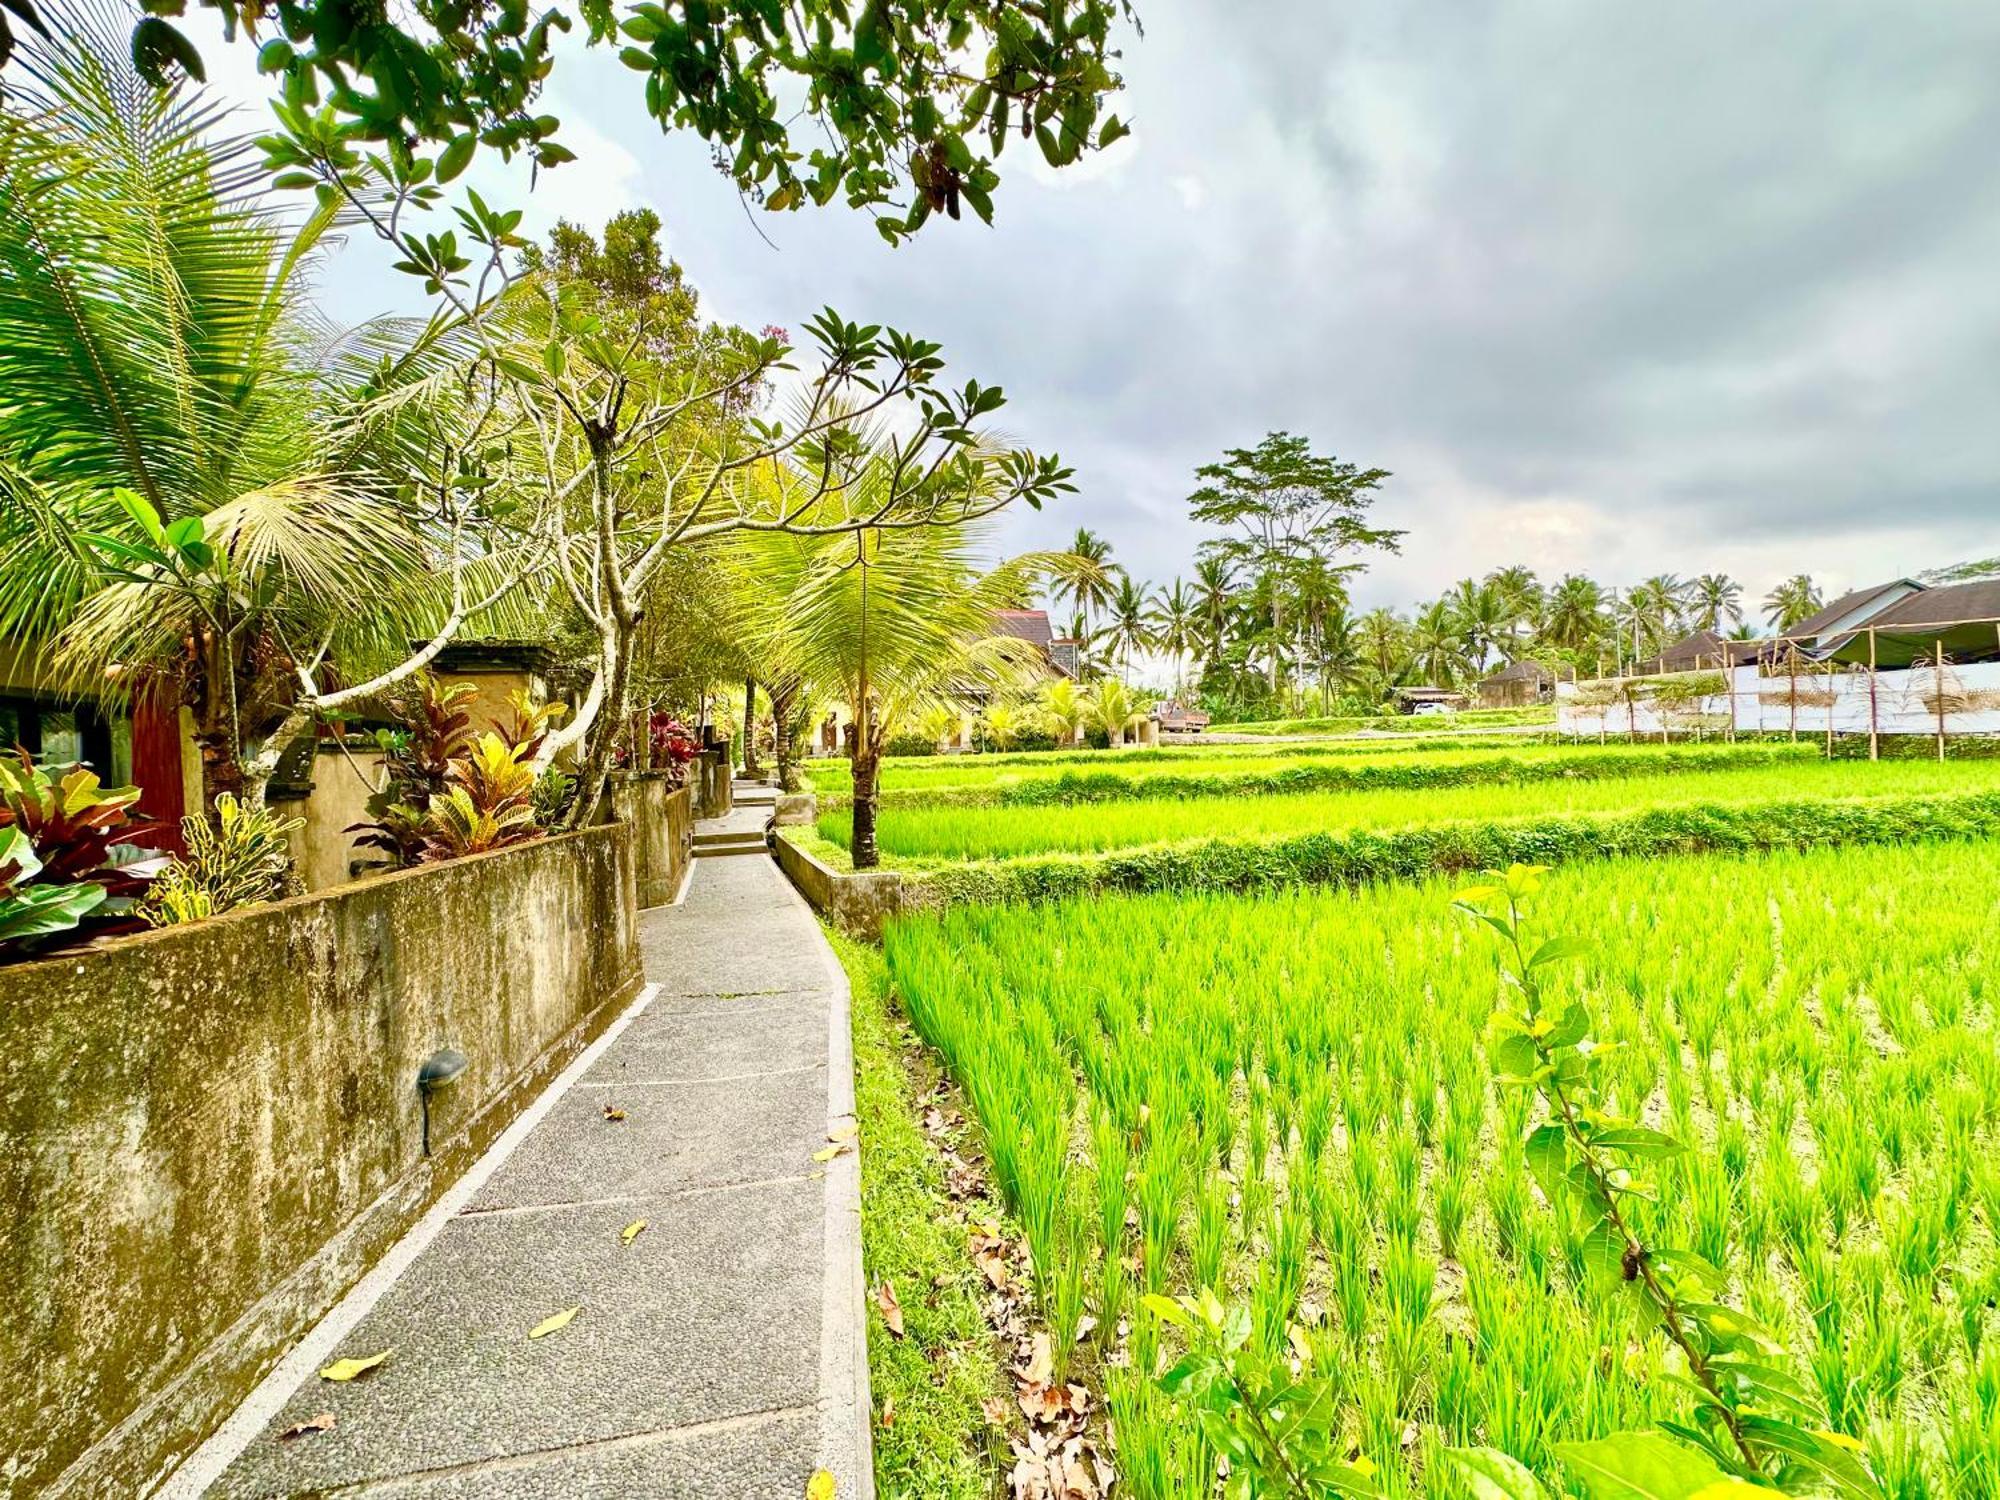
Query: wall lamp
pixel 439 1069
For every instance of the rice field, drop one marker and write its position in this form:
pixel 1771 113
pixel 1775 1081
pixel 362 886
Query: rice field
pixel 995 778
pixel 946 833
pixel 1285 1098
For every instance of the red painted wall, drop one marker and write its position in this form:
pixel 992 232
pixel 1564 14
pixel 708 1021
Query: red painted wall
pixel 156 766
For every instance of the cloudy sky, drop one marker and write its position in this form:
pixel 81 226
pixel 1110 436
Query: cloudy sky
pixel 1608 287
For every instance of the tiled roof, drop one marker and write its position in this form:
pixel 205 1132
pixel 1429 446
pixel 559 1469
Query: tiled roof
pixel 1031 625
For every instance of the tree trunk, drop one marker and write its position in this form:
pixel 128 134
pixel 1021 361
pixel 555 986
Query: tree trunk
pixel 867 775
pixel 750 766
pixel 784 740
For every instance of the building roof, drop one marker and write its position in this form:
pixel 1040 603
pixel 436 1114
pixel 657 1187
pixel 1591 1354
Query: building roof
pixel 1959 618
pixel 1830 615
pixel 1031 625
pixel 1523 670
pixel 1703 648
pixel 1953 604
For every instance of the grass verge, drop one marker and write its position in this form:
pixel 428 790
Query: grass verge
pixel 931 1382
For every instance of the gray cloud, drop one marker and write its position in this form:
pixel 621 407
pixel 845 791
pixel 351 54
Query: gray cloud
pixel 1609 287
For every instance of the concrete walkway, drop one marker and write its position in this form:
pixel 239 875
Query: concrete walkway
pixel 718 1354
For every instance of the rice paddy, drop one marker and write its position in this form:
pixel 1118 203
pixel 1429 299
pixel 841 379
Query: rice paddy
pixel 917 834
pixel 1285 1098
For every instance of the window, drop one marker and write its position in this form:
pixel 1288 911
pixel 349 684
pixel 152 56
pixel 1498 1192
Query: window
pixel 61 735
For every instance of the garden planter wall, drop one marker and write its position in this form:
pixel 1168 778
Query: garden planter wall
pixel 662 819
pixel 207 1134
pixel 858 902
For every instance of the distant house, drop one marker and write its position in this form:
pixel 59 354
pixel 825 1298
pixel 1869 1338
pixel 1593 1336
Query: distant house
pixel 1032 625
pixel 1704 649
pixel 1829 624
pixel 1518 684
pixel 1961 619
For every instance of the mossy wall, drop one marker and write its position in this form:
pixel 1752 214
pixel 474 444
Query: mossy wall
pixel 662 820
pixel 207 1134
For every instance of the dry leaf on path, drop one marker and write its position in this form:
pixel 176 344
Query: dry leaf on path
pixel 632 1231
pixel 554 1324
pixel 820 1486
pixel 845 1132
pixel 828 1153
pixel 1041 1365
pixel 351 1369
pixel 321 1423
pixel 613 1112
pixel 892 1310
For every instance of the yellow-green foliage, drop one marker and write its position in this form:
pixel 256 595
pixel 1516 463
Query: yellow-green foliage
pixel 239 858
pixel 1287 1095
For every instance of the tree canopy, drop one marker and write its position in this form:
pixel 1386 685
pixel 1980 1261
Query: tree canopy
pixel 900 107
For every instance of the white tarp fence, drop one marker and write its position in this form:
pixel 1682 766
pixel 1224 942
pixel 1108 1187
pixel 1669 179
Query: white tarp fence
pixel 1904 701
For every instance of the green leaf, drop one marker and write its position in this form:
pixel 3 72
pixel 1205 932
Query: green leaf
pixel 456 156
pixel 1638 1466
pixel 1493 1475
pixel 1638 1140
pixel 188 529
pixel 141 510
pixel 1558 947
pixel 1547 1151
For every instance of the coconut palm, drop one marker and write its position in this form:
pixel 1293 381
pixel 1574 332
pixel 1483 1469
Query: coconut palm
pixel 1521 595
pixel 1130 627
pixel 1214 589
pixel 1437 645
pixel 1005 723
pixel 893 621
pixel 1654 609
pixel 1087 581
pixel 1114 708
pixel 1380 641
pixel 1484 618
pixel 1176 626
pixel 1574 618
pixel 1713 598
pixel 1064 710
pixel 1792 601
pixel 186 504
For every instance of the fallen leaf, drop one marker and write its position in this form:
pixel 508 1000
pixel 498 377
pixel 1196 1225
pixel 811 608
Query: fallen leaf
pixel 350 1369
pixel 554 1324
pixel 632 1231
pixel 845 1132
pixel 820 1486
pixel 888 1418
pixel 1084 1327
pixel 1041 1363
pixel 613 1112
pixel 995 1410
pixel 828 1153
pixel 892 1310
pixel 321 1423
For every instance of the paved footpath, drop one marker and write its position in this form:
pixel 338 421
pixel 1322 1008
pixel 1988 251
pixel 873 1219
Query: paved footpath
pixel 718 1356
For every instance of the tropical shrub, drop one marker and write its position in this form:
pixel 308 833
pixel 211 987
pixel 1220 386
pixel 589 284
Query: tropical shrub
pixel 29 911
pixel 673 746
pixel 79 830
pixel 489 803
pixel 239 857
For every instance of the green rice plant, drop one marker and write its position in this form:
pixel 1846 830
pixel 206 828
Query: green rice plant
pixel 1162 1194
pixel 1063 1300
pixel 1211 1235
pixel 1451 1203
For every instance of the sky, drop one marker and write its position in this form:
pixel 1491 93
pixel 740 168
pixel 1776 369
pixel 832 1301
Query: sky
pixel 1608 288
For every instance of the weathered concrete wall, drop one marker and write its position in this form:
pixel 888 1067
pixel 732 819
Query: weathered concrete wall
pixel 857 902
pixel 342 782
pixel 717 793
pixel 794 808
pixel 662 820
pixel 207 1134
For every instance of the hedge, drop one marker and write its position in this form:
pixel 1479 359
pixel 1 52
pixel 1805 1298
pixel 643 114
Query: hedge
pixel 1491 718
pixel 1358 857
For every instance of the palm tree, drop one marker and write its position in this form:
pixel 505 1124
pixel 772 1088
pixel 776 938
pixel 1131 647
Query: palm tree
pixel 1437 645
pixel 1380 639
pixel 1214 589
pixel 1574 620
pixel 895 622
pixel 1176 626
pixel 1005 723
pixel 1064 710
pixel 1085 580
pixel 1339 659
pixel 186 506
pixel 1131 629
pixel 1521 596
pixel 1113 708
pixel 1792 601
pixel 1713 598
pixel 1483 616
pixel 1656 607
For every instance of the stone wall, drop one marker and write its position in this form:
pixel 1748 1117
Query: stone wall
pixel 856 901
pixel 343 779
pixel 662 820
pixel 207 1134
